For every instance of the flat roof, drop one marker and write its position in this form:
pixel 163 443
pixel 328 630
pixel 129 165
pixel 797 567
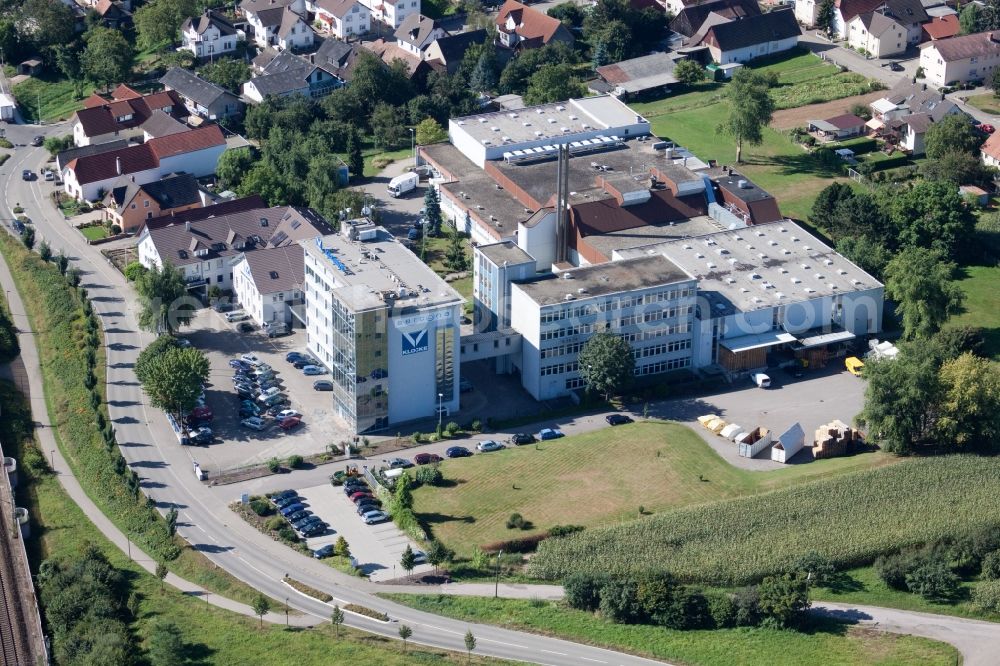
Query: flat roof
pixel 505 252
pixel 756 341
pixel 608 243
pixel 365 270
pixel 761 266
pixel 610 278
pixel 577 115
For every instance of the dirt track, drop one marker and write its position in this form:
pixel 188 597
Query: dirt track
pixel 798 117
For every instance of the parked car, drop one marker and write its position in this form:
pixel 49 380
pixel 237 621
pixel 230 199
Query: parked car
pixel 276 400
pixel 315 530
pixel 201 414
pixel 987 128
pixel 250 359
pixel 458 452
pixel 249 404
pixel 305 521
pixel 254 423
pixel 350 489
pixel 285 413
pixel 284 494
pixel 426 458
pixel 262 368
pixel 292 508
pixel 286 501
pixel 299 515
pixel 313 370
pixel 465 386
pixel 289 422
pixel 246 327
pixel 522 438
pixel 549 433
pixel 374 517
pixel 202 436
pixel 398 463
pixel 854 365
pixel 222 306
pixel 37 140
pixel 233 317
pixel 617 419
pixel 490 445
pixel 761 380
pixel 368 507
pixel 267 393
pixel 361 494
pixel 237 364
pixel 302 362
pixel 323 551
pixel 27 175
pixel 414 234
pixel 322 385
pixel 291 357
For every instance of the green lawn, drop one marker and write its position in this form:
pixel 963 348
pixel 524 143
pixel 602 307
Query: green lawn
pixel 988 103
pixel 57 97
pixel 598 478
pixel 377 159
pixel 981 285
pixel 94 233
pixel 825 642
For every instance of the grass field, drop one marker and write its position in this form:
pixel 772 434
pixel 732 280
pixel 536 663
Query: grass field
pixel 598 478
pixel 94 233
pixel 57 97
pixel 981 285
pixel 851 519
pixel 825 642
pixel 988 103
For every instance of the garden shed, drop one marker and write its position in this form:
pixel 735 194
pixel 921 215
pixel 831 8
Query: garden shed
pixel 789 443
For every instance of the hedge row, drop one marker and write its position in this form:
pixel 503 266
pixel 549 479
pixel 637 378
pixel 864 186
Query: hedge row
pixel 890 162
pixel 66 328
pixel 307 590
pixel 859 146
pixel 367 612
pixel 528 544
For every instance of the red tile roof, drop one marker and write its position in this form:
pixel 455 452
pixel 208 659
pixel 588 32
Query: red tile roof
pixel 94 100
pixel 531 25
pixel 942 27
pixel 124 92
pixel 846 121
pixel 992 146
pixel 186 142
pixel 100 116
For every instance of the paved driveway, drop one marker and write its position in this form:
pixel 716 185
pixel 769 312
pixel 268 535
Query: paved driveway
pixel 377 548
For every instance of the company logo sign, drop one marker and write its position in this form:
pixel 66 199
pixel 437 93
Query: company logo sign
pixel 413 320
pixel 414 342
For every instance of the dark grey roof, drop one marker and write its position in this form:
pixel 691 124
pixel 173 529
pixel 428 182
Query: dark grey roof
pixel 271 17
pixel 282 82
pixel 277 269
pixel 284 62
pixel 208 19
pixel 337 58
pixel 172 191
pixel 453 47
pixel 689 20
pixel 193 87
pixel 772 26
pixel 163 124
pixel 416 29
pixel 67 156
pixel 288 20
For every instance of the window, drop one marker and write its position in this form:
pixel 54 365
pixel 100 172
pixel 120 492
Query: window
pixel 145 204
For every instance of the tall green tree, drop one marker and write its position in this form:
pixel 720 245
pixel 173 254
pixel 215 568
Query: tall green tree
pixel 229 73
pixel 455 258
pixel 388 125
pixel 108 56
pixel 750 109
pixel 337 617
pixel 429 131
pixel 969 20
pixel 930 215
pixel 404 633
pixel 45 23
pixel 432 211
pixel 952 133
pixel 552 83
pixel 261 606
pixel 174 380
pixel 165 304
pixel 920 283
pixel 355 162
pixel 158 22
pixel 484 75
pixel 233 165
pixel 689 71
pixel 784 599
pixel 970 404
pixel 153 350
pixel 408 560
pixel 606 363
pixel 825 16
pixel 868 253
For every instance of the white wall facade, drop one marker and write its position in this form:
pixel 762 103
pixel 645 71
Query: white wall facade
pixel 750 52
pixel 95 191
pixel 806 12
pixel 209 43
pixel 941 73
pixel 356 21
pixel 392 13
pixel 198 163
pixel 891 42
pixel 539 241
pixel 262 308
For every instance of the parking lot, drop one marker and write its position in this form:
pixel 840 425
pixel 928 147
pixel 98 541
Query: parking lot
pixel 377 548
pixel 237 446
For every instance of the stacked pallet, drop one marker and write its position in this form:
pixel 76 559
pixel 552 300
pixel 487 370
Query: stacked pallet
pixel 835 439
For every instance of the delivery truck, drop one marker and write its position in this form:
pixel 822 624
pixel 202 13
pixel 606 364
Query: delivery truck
pixel 400 185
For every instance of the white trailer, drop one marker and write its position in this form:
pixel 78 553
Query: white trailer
pixel 789 443
pixel 754 442
pixel 402 184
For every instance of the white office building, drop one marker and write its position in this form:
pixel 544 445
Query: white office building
pixel 385 325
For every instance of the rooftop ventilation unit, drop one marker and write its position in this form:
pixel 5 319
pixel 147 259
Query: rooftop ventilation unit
pixel 585 126
pixel 572 117
pixel 755 276
pixel 494 128
pixel 512 115
pixel 782 230
pixel 778 294
pixel 730 280
pixel 565 130
pixel 828 262
pixel 855 282
pixel 772 243
pixel 796 280
pixel 721 251
pixel 743 184
pixel 818 276
pixel 526 123
pixel 760 234
pixel 699 255
pixel 738 237
pixel 711 265
pixel 581 290
pixel 506 139
pixel 761 255
pixel 482 120
pixel 461 122
pixel 768 285
pixel 750 247
pixel 786 251
pixel 758 299
pixel 810 290
pixel 805 267
pixel 538 133
pixel 539 111
pixel 795 239
pixel 687 247
pixel 560 107
pixel 744 290
pixel 569 297
pixel 807 248
pixel 552 121
pixel 486 142
pixel 831 286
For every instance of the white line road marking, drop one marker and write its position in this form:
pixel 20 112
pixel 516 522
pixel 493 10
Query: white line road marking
pixel 242 559
pixel 598 661
pixel 561 654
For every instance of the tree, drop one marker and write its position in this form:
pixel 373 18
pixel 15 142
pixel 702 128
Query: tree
pixel 689 71
pixel 261 606
pixel 341 547
pixel 606 363
pixel 174 380
pixel 405 632
pixel 970 403
pixel 430 131
pixel 952 133
pixel 403 496
pixel 108 56
pixel 868 253
pixel 155 349
pixel 825 16
pixel 570 13
pixel 620 602
pixel 470 643
pixel 934 580
pixel 57 144
pixel 229 73
pixel 158 22
pixel 166 646
pixel 432 211
pixel 337 619
pixel 388 125
pixel 920 283
pixel 815 568
pixel 958 168
pixel 825 206
pixel 750 109
pixel 455 258
pixel 408 560
pixel 600 56
pixel 957 340
pixel 28 237
pixel 484 75
pixel 172 521
pixel 995 77
pixel 44 251
pixel 165 304
pixel 161 572
pixel 783 599
pixel 46 23
pixel 355 162
pixel 62 263
pixel 552 83
pixel 438 554
pixel 969 20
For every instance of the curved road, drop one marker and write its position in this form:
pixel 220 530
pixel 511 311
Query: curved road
pixel 205 521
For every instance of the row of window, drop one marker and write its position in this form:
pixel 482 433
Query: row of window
pixel 620 304
pixel 559 368
pixel 562 350
pixel 656 332
pixel 579 329
pixel 662 348
pixel 656 315
pixel 662 366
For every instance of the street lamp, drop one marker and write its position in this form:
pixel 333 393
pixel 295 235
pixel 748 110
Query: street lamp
pixel 496 588
pixel 413 144
pixel 440 410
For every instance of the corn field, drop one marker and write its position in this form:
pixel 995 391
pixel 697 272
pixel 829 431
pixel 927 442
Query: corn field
pixel 851 519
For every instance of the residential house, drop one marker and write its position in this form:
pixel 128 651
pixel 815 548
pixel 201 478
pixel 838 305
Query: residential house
pixel 391 12
pixel 904 114
pixel 294 32
pixel 206 244
pixel 208 35
pixel 121 117
pixel 278 23
pixel 268 283
pixel 162 124
pixel 343 19
pixel 288 74
pixel 196 152
pixel 337 58
pixel 522 27
pixel 839 127
pixel 742 40
pixel 416 33
pixel 114 14
pixel 126 4
pixel 960 59
pixel 130 205
pixel 202 98
pixel 689 19
pixel 450 49
pixel 388 52
pixel 908 13
pixel 990 150
pixel 876 34
pixel 636 76
pixel 941 27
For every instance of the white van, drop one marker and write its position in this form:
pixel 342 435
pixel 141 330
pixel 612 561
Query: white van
pixel 400 185
pixel 761 380
pixel 276 328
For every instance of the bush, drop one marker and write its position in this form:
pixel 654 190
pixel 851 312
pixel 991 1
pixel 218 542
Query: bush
pixel 783 600
pixel 688 610
pixel 286 533
pixel 295 462
pixel 987 596
pixel 723 610
pixel 746 604
pixel 583 591
pixel 934 581
pixel 859 146
pixel 619 602
pixel 991 566
pixel 516 521
pixel 564 530
pixel 367 612
pixel 261 506
pixel 526 544
pixel 452 429
pixel 275 523
pixel 815 568
pixel 274 465
pixel 429 476
pixel 892 569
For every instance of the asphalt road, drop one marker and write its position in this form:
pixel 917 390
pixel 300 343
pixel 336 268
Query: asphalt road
pixel 205 521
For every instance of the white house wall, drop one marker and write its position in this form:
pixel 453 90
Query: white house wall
pixel 539 241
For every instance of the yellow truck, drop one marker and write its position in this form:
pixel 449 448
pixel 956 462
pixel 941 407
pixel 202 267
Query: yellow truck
pixel 854 365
